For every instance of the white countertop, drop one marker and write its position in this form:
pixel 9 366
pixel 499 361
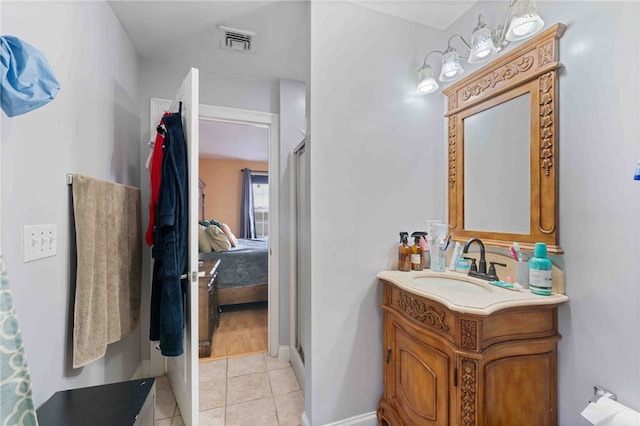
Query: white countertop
pixel 467 294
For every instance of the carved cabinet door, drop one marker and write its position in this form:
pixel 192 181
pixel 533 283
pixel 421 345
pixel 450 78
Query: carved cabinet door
pixel 418 378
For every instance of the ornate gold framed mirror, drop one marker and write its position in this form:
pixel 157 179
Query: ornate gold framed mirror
pixel 502 148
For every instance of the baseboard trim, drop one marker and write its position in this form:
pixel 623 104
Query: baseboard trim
pixel 138 374
pixel 366 419
pixel 147 368
pixel 283 354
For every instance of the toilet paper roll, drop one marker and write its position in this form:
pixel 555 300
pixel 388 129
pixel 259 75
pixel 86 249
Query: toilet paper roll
pixel 607 412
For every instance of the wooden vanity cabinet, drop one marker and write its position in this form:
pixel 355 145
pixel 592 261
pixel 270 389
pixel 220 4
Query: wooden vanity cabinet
pixel 445 368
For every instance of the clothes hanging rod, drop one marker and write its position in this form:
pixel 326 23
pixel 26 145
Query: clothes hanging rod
pixel 255 171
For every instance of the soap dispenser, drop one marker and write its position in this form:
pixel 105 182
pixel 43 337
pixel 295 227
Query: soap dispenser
pixel 404 253
pixel 417 257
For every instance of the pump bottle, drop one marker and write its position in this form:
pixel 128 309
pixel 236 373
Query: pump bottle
pixel 404 253
pixel 417 256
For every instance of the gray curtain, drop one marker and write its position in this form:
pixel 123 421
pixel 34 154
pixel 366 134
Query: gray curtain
pixel 247 217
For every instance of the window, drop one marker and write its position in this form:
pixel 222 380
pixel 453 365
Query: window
pixel 260 185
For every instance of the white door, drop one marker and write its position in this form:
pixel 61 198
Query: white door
pixel 183 370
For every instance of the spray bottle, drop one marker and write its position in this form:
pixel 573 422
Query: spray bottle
pixel 404 253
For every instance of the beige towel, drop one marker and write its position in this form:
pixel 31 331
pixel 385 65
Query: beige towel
pixel 109 269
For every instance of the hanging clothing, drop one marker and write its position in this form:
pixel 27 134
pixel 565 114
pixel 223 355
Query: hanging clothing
pixel 155 175
pixel 170 242
pixel 27 81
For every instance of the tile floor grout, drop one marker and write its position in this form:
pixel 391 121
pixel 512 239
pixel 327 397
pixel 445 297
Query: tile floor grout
pixel 288 398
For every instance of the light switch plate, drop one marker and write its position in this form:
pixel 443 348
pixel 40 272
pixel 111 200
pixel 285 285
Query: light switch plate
pixel 39 241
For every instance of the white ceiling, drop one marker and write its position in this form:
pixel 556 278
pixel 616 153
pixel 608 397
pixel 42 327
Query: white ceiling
pixel 438 14
pixel 235 141
pixel 186 32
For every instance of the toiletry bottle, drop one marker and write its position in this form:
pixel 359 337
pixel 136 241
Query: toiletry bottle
pixel 426 256
pixel 404 253
pixel 540 271
pixel 417 259
pixel 457 253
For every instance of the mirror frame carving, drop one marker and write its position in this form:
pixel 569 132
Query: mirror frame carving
pixel 530 68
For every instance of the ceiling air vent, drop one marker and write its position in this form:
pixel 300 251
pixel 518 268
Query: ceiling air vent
pixel 235 39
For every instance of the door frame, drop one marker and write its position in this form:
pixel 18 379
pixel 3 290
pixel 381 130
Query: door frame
pixel 234 115
pixel 272 121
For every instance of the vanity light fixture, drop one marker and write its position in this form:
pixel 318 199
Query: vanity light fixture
pixel 521 22
pixel 426 81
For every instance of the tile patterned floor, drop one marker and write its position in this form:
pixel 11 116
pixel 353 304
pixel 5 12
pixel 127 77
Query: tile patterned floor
pixel 244 391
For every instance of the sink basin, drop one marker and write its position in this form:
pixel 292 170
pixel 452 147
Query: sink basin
pixel 462 293
pixel 439 284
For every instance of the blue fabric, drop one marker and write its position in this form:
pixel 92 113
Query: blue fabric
pixel 16 404
pixel 27 81
pixel 247 219
pixel 170 242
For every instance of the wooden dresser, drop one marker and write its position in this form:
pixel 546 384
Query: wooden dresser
pixel 208 313
pixel 448 368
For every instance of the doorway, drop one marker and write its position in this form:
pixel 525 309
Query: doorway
pixel 232 115
pixel 234 180
pixel 255 118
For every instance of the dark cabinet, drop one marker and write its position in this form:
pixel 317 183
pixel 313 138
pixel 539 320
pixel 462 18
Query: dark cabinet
pixel 129 403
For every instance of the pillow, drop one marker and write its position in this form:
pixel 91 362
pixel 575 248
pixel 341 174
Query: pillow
pixel 232 238
pixel 217 239
pixel 204 246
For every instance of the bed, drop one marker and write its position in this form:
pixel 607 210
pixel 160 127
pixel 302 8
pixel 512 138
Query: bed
pixel 243 273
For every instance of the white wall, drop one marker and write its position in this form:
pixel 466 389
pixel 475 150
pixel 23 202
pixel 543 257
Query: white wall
pixel 377 168
pixel 598 146
pixel 92 128
pixel 292 120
